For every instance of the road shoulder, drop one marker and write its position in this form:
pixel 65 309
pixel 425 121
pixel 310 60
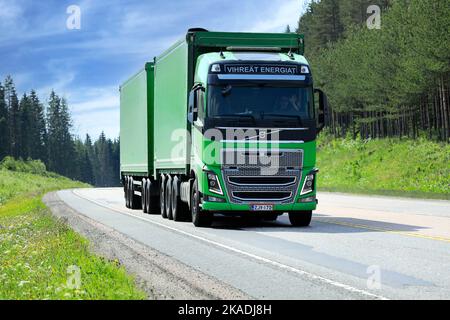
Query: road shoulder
pixel 159 275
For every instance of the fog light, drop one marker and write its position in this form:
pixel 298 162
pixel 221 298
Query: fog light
pixel 308 199
pixel 213 199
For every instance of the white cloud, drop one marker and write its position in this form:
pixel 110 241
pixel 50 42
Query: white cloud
pixel 282 13
pixel 9 11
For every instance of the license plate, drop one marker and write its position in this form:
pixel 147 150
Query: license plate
pixel 261 207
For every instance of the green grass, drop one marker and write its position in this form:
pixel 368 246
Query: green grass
pixel 418 168
pixel 37 251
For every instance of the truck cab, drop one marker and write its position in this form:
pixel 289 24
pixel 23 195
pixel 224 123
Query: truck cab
pixel 253 127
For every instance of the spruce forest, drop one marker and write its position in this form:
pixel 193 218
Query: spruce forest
pixel 31 129
pixel 391 81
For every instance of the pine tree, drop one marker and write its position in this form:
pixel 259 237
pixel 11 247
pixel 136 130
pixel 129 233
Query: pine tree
pixel 25 124
pixel 12 104
pixel 38 129
pixel 4 129
pixel 61 151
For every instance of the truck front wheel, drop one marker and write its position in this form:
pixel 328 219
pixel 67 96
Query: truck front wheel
pixel 200 218
pixel 300 218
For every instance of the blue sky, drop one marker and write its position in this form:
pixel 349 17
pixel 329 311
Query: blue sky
pixel 116 38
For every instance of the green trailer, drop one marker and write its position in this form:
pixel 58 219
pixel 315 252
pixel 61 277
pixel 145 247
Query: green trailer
pixel 222 123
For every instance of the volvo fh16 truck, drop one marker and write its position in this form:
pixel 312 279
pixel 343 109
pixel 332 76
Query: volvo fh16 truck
pixel 222 123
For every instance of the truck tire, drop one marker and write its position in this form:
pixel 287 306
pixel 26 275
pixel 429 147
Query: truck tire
pixel 126 186
pixel 168 199
pixel 152 198
pixel 144 195
pixel 300 218
pixel 200 218
pixel 162 198
pixel 124 182
pixel 135 201
pixel 129 193
pixel 179 208
pixel 147 195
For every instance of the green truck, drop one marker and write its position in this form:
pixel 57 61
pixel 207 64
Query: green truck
pixel 222 123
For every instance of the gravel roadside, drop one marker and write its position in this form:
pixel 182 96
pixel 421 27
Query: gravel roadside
pixel 159 275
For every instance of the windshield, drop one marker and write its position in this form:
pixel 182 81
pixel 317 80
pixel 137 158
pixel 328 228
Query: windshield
pixel 260 102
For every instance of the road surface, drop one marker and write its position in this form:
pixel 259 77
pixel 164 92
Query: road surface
pixel 357 247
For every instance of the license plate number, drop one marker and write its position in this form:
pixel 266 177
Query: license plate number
pixel 261 207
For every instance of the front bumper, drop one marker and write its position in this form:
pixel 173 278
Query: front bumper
pixel 216 207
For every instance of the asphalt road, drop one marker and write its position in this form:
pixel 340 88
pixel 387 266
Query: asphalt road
pixel 357 247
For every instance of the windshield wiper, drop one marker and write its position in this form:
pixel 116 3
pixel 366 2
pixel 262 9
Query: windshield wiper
pixel 237 116
pixel 284 116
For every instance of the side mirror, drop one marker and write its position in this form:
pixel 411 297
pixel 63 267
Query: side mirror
pixel 323 109
pixel 193 107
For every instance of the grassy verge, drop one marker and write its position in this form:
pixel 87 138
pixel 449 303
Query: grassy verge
pixel 42 258
pixel 405 168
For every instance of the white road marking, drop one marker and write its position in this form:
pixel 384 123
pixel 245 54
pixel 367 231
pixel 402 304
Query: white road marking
pixel 251 255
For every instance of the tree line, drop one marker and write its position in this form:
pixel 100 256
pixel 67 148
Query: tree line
pixel 388 82
pixel 30 129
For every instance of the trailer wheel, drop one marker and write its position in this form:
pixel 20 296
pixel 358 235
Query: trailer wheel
pixel 162 200
pixel 179 208
pixel 124 182
pixel 152 199
pixel 144 195
pixel 168 198
pixel 135 201
pixel 148 195
pixel 300 218
pixel 200 218
pixel 126 186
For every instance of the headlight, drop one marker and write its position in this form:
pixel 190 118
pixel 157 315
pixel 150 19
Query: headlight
pixel 308 184
pixel 213 183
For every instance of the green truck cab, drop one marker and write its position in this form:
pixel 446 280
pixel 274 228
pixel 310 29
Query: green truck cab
pixel 223 123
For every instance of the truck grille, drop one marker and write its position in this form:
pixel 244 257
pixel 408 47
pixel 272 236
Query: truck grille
pixel 258 181
pixel 252 181
pixel 262 195
pixel 262 158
